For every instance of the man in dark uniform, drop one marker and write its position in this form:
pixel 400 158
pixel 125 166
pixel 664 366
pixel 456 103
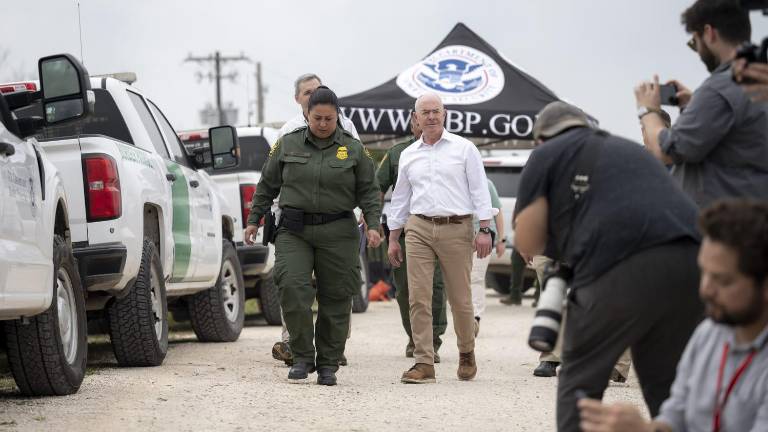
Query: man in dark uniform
pixel 321 173
pixel 387 176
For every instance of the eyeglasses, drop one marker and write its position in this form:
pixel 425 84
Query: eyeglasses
pixel 692 43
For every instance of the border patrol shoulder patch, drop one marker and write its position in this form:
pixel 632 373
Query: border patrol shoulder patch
pixel 275 147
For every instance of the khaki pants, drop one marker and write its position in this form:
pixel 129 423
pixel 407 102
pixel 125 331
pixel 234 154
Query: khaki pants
pixel 452 245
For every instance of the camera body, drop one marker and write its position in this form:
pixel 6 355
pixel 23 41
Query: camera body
pixel 549 314
pixel 753 53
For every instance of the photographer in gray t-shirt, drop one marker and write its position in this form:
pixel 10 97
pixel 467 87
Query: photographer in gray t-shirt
pixel 718 147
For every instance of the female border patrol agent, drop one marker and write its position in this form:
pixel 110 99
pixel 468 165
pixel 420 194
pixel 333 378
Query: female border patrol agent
pixel 321 174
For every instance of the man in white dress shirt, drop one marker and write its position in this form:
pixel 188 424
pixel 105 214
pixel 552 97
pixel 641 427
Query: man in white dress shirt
pixel 441 184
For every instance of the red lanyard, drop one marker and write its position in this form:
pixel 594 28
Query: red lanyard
pixel 719 406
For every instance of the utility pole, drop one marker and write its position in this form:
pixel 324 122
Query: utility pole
pixel 218 60
pixel 259 96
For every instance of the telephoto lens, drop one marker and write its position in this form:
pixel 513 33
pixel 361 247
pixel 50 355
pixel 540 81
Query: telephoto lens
pixel 549 314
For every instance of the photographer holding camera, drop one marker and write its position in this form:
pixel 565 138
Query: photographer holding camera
pixel 719 145
pixel 605 207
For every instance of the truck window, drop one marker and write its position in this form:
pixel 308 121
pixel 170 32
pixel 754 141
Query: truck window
pixel 506 179
pixel 149 124
pixel 106 120
pixel 170 136
pixel 254 151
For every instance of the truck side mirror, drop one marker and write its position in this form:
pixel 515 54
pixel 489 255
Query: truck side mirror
pixel 65 88
pixel 224 147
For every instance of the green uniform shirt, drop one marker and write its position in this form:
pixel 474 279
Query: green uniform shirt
pixel 386 174
pixel 318 176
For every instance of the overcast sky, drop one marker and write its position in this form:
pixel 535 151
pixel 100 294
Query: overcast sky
pixel 591 53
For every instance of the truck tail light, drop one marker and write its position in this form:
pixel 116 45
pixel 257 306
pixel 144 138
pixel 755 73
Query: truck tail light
pixel 102 188
pixel 17 87
pixel 246 199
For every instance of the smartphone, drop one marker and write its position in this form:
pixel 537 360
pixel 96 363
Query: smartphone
pixel 668 94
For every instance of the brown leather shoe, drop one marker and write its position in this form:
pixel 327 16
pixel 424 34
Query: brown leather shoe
pixel 467 366
pixel 420 373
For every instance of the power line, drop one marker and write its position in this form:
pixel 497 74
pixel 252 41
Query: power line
pixel 217 59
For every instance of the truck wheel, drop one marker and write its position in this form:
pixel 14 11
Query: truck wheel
pixel 48 354
pixel 360 300
pixel 217 314
pixel 138 322
pixel 269 301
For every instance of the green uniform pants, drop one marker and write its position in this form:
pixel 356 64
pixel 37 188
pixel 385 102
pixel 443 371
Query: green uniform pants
pixel 439 318
pixel 331 251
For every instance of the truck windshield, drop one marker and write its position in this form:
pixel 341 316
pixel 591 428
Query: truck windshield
pixel 253 153
pixel 105 120
pixel 506 179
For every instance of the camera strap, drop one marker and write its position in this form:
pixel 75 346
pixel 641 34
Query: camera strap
pixel 586 158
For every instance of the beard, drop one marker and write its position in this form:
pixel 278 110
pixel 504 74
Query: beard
pixel 746 316
pixel 709 58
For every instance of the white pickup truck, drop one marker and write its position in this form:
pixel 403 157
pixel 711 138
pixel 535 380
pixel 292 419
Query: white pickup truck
pixel 42 306
pixel 147 225
pixel 504 168
pixel 238 185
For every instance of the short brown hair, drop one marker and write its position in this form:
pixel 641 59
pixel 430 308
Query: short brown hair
pixel 741 224
pixel 726 16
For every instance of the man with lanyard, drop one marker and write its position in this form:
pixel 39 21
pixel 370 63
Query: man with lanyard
pixel 304 86
pixel 722 378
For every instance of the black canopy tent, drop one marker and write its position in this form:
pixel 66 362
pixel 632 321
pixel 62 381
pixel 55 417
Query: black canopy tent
pixel 485 95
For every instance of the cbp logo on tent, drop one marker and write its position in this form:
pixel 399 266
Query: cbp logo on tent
pixel 459 74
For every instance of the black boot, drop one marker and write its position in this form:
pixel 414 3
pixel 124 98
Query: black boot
pixel 546 369
pixel 300 371
pixel 326 376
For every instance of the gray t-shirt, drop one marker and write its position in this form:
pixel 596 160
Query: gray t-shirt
pixel 690 406
pixel 719 144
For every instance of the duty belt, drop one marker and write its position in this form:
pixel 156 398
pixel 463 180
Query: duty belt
pixel 324 218
pixel 442 220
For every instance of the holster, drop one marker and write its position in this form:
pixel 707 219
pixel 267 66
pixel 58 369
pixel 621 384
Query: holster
pixel 270 229
pixel 293 219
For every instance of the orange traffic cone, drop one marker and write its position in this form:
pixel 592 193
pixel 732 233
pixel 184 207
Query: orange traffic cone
pixel 379 291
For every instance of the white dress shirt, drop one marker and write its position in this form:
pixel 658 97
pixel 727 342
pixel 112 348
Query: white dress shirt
pixel 299 121
pixel 443 179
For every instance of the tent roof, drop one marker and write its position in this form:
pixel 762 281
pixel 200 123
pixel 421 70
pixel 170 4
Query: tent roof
pixel 486 95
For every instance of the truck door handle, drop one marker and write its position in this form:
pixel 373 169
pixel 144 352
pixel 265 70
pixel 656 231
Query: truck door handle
pixel 7 149
pixel 194 183
pixel 170 177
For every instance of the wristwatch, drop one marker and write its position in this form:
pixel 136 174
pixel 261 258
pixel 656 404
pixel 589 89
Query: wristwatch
pixel 484 230
pixel 642 111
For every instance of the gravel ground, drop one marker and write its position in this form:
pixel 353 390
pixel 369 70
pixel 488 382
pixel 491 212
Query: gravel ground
pixel 238 386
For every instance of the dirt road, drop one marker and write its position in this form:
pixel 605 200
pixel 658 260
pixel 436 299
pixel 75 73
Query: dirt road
pixel 238 387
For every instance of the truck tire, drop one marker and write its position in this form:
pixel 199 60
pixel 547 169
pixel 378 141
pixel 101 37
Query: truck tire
pixel 269 301
pixel 48 354
pixel 138 322
pixel 217 314
pixel 360 300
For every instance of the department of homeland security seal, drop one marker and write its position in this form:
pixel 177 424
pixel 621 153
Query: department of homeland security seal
pixel 461 75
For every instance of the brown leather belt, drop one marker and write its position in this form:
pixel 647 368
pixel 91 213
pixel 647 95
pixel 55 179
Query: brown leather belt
pixel 442 220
